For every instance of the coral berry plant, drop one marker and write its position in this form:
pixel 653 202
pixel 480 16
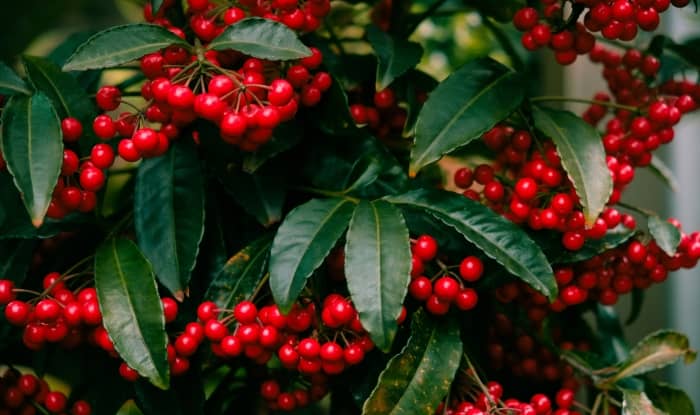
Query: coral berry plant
pixel 242 206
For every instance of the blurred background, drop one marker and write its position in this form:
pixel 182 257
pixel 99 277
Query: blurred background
pixel 37 26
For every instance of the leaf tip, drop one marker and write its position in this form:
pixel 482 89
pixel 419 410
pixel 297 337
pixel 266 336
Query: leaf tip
pixel 690 356
pixel 179 295
pixel 37 222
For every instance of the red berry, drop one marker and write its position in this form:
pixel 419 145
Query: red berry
pixel 6 291
pixel 446 288
pixel 145 140
pixel 108 98
pixel 102 156
pixel 92 179
pixel 169 309
pixel 471 268
pixel 425 248
pixel 72 129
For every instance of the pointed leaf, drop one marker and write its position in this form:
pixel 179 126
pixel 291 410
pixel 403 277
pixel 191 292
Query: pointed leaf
pixel 463 107
pixel 68 97
pixel 129 408
pixel 417 379
pixel 302 242
pixel 665 234
pixel 638 403
pixel 11 83
pixel 582 155
pixel 669 398
pixel 169 214
pixel 32 145
pixel 241 275
pixel 655 351
pixel 497 237
pixel 261 38
pixel 121 44
pixel 395 55
pixel 664 173
pixel 131 309
pixel 377 267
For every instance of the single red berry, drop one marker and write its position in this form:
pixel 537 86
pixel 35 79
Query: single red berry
pixel 169 309
pixel 92 179
pixel 471 268
pixel 102 156
pixel 127 150
pixel 72 129
pixel 466 299
pixel 231 346
pixel 6 291
pixel 421 288
pixel 384 99
pixel 525 18
pixel 425 247
pixel 108 98
pixel 17 312
pixel 309 348
pixel 55 402
pixel 214 330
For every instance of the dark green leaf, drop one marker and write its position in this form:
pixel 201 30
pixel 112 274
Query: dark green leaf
pixel 32 145
pixel 418 378
pixel 395 56
pixel 497 237
pixel 185 396
pixel 377 267
pixel 261 38
pixel 582 155
pixel 664 173
pixel 610 334
pixel 169 214
pixel 17 223
pixel 665 234
pixel 261 194
pixel 686 50
pixel 241 275
pixel 655 351
pixel 302 242
pixel 11 83
pixel 156 5
pixel 637 303
pixel 68 97
pixel 15 258
pixel 333 113
pixel 129 408
pixel 669 399
pixel 121 44
pixel 638 403
pixel 131 309
pixel 463 107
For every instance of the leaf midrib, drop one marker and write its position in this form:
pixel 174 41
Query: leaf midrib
pixel 417 367
pixel 246 268
pixel 48 79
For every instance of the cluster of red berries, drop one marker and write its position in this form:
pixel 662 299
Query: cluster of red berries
pixel 380 112
pixel 531 188
pixel 80 179
pixel 22 394
pixel 445 288
pixel 514 352
pixel 614 19
pixel 288 396
pixel 493 402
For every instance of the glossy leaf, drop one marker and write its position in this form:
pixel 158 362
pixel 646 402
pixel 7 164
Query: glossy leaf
pixel 582 155
pixel 669 398
pixel 241 275
pixel 121 44
pixel 665 234
pixel 261 194
pixel 664 173
pixel 497 237
pixel 68 97
pixel 655 351
pixel 169 214
pixel 11 83
pixel 302 242
pixel 131 309
pixel 638 403
pixel 261 38
pixel 463 107
pixel 17 224
pixel 32 145
pixel 395 55
pixel 377 267
pixel 417 379
pixel 15 258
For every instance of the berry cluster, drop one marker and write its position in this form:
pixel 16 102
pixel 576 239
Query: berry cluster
pixel 380 112
pixel 568 37
pixel 23 394
pixel 492 402
pixel 446 287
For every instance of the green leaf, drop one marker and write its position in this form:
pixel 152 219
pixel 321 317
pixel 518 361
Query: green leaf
pixel 610 334
pixel 156 5
pixel 17 224
pixel 32 145
pixel 11 83
pixel 582 155
pixel 395 56
pixel 638 403
pixel 261 38
pixel 502 10
pixel 169 214
pixel 665 234
pixel 306 236
pixel 15 258
pixel 241 275
pixel 121 44
pixel 284 138
pixel 418 378
pixel 377 266
pixel 131 309
pixel 463 107
pixel 261 194
pixel 668 398
pixel 655 351
pixel 68 97
pixel 636 307
pixel 664 173
pixel 497 237
pixel 592 247
pixel 129 408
